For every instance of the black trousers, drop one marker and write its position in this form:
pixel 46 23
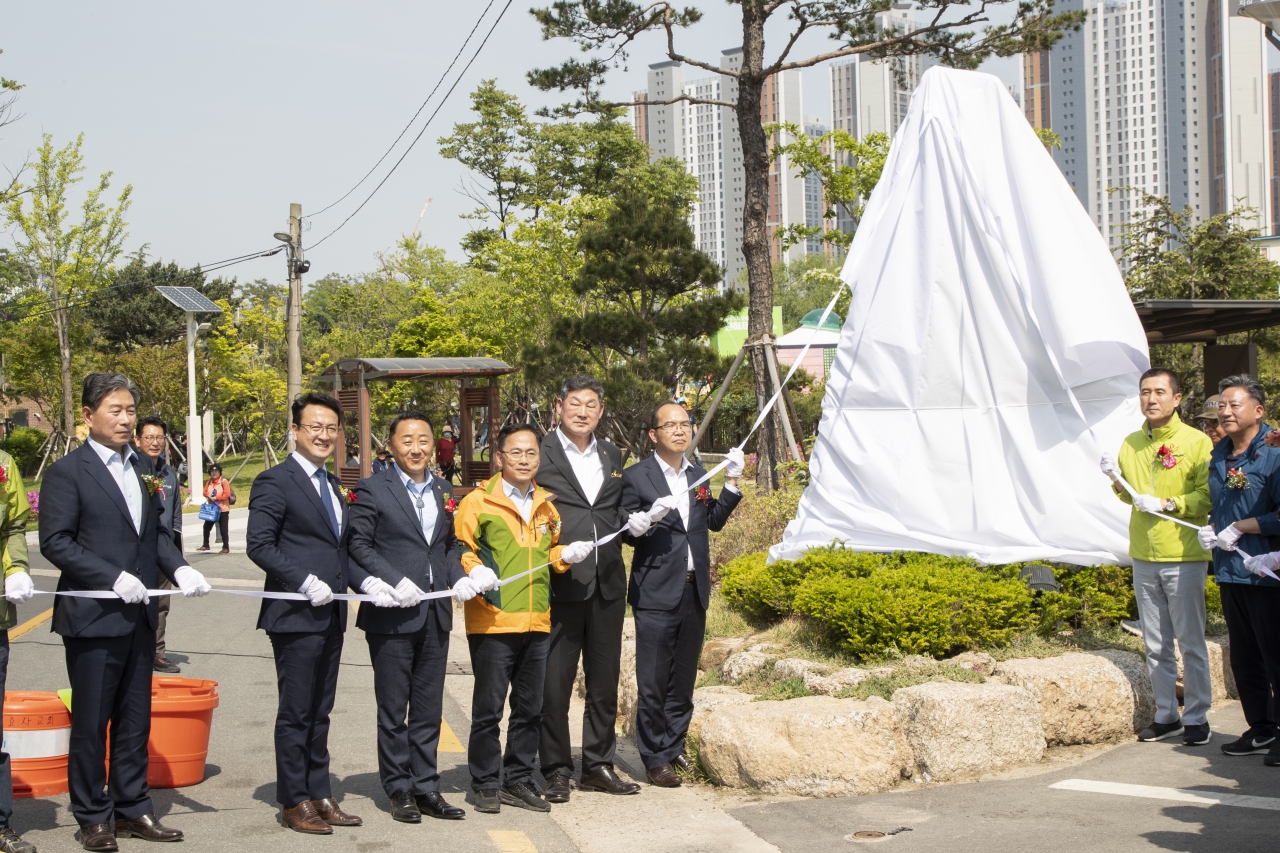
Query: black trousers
pixel 668 644
pixel 6 772
pixel 223 522
pixel 500 662
pixel 110 683
pixel 408 672
pixel 592 630
pixel 307 680
pixel 1252 614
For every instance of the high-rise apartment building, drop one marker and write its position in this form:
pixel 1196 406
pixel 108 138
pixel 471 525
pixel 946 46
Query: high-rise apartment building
pixel 1167 98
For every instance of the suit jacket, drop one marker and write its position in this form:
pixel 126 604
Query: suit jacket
pixel 662 555
pixel 289 537
pixel 171 517
pixel 386 542
pixel 582 519
pixel 87 532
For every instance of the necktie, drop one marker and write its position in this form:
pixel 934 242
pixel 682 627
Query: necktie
pixel 327 500
pixel 421 505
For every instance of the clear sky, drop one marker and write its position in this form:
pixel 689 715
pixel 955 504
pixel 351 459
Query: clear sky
pixel 221 114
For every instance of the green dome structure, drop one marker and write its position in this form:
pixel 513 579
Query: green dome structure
pixel 833 324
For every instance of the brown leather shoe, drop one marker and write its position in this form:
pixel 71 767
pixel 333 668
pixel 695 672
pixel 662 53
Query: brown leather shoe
pixel 333 814
pixel 99 838
pixel 605 779
pixel 557 788
pixel 147 827
pixel 663 776
pixel 304 818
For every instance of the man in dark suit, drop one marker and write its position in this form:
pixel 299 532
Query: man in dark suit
pixel 588 602
pixel 297 534
pixel 402 534
pixel 671 585
pixel 100 525
pixel 152 433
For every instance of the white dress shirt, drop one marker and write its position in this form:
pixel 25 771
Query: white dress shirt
pixel 586 464
pixel 121 469
pixel 678 483
pixel 524 503
pixel 424 503
pixel 326 494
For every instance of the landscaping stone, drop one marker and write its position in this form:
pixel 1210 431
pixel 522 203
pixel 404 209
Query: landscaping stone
pixel 708 699
pixel 715 651
pixel 1084 697
pixel 830 685
pixel 1224 681
pixel 742 664
pixel 1135 669
pixel 977 661
pixel 918 662
pixel 798 668
pixel 957 730
pixel 814 746
pixel 628 690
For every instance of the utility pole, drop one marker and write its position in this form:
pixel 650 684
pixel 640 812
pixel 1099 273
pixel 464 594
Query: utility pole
pixel 293 334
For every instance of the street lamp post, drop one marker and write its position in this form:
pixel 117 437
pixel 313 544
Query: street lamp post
pixel 192 302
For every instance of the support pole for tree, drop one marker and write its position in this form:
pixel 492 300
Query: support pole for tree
pixel 715 401
pixel 772 360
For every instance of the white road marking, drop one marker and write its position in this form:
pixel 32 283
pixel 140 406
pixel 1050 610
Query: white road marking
pixel 1181 795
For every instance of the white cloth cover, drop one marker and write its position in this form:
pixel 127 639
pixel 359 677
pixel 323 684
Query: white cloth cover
pixel 981 290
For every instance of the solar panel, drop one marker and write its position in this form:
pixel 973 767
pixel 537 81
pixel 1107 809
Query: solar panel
pixel 189 299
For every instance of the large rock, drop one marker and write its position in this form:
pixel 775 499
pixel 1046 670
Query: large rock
pixel 830 685
pixel 814 746
pixel 741 665
pixel 628 690
pixel 1135 669
pixel 1224 681
pixel 957 730
pixel 798 667
pixel 708 699
pixel 1083 697
pixel 980 662
pixel 715 651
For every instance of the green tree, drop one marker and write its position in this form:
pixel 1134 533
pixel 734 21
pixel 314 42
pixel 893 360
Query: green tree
pixel 132 314
pixel 71 261
pixel 606 29
pixel 247 362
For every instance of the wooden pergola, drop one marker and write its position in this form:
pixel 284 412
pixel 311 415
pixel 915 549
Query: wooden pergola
pixel 1203 321
pixel 477 405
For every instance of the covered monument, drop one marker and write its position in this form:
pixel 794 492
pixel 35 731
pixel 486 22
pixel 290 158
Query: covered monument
pixel 990 348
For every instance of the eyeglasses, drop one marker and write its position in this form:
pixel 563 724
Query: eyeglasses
pixel 159 438
pixel 676 426
pixel 517 455
pixel 321 429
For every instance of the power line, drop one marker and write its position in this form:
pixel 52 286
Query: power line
pixel 435 89
pixel 436 112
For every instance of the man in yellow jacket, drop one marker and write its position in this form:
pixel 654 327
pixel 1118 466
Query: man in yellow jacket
pixel 18 589
pixel 506 527
pixel 1167 463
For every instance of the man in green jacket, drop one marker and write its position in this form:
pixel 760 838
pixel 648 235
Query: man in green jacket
pixel 1167 463
pixel 18 588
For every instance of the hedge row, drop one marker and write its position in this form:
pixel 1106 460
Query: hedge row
pixel 922 603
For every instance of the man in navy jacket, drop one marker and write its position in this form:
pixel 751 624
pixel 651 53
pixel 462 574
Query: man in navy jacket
pixel 100 525
pixel 402 536
pixel 671 585
pixel 297 534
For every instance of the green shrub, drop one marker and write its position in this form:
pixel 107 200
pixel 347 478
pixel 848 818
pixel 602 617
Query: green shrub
pixel 757 523
pixel 23 444
pixel 1212 599
pixel 1091 597
pixel 761 593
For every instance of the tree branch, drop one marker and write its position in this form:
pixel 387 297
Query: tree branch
pixel 697 63
pixel 687 98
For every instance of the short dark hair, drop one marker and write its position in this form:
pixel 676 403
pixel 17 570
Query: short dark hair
pixel 408 416
pixel 1174 383
pixel 510 430
pixel 653 416
pixel 578 383
pixel 152 420
pixel 97 386
pixel 215 467
pixel 1251 386
pixel 315 398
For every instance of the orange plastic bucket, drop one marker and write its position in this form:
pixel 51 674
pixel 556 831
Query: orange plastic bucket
pixel 37 736
pixel 181 716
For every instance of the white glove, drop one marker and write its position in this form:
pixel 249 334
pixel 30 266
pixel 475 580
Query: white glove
pixel 638 523
pixel 736 462
pixel 1148 503
pixel 319 593
pixel 129 588
pixel 1207 537
pixel 465 589
pixel 483 578
pixel 18 587
pixel 661 507
pixel 1264 561
pixel 576 552
pixel 408 593
pixel 1109 466
pixel 191 582
pixel 1228 538
pixel 383 594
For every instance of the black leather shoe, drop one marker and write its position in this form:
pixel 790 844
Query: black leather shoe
pixel 521 795
pixel 433 805
pixel 404 809
pixel 605 779
pixel 681 763
pixel 98 838
pixel 147 827
pixel 558 788
pixel 663 776
pixel 488 802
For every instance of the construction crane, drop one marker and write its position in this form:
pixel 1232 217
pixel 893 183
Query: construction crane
pixel 418 224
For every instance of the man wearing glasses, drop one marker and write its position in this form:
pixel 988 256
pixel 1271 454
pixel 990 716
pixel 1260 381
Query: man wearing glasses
pixel 152 433
pixel 588 602
pixel 298 535
pixel 671 585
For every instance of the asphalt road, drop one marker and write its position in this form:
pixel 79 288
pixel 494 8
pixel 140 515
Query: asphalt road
pixel 234 810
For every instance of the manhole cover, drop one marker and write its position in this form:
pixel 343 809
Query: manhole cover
pixel 867 835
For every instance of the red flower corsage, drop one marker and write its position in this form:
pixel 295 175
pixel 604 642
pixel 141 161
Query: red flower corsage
pixel 4 475
pixel 347 495
pixel 451 506
pixel 704 495
pixel 1237 479
pixel 1167 454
